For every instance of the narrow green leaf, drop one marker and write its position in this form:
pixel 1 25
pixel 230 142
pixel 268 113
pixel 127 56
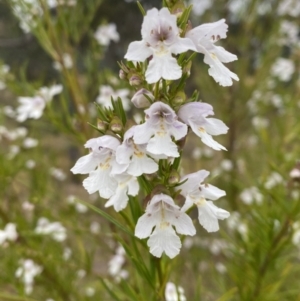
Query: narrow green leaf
pixel 228 295
pixel 108 217
pixel 141 8
pixel 110 291
pixel 94 127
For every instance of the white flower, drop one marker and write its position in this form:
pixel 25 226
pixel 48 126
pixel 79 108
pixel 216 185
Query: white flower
pixel 116 263
pixel 56 230
pixel 161 124
pixel 194 114
pixel 135 156
pixel 8 234
pixel 289 7
pixel 162 213
pixel 197 193
pixel 106 93
pixel 30 142
pixel 249 195
pixel 33 107
pixel 67 62
pixel 204 37
pixel 106 33
pixel 283 69
pixel 260 122
pixel 27 271
pixel 199 7
pixel 102 157
pixel 57 173
pixel 273 180
pixel 173 293
pixel 160 39
pixel 127 185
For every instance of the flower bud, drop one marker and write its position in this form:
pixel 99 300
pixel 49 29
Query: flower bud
pixel 179 98
pixel 101 125
pixel 174 177
pixel 135 80
pixel 140 100
pixel 116 125
pixel 178 9
pixel 122 74
pixel 295 172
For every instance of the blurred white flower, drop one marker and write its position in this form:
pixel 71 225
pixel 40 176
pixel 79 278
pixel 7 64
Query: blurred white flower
pixel 57 173
pixel 27 271
pixel 95 227
pixel 9 233
pixel 67 62
pixel 30 164
pixel 289 31
pixel 260 122
pixel 33 107
pixel 13 151
pixel 173 293
pixel 217 246
pixel 234 222
pixel 30 142
pixel 4 69
pixel 251 195
pixel 283 69
pixel 289 7
pixel 199 7
pixel 273 180
pixel 197 153
pixel 9 111
pixel 81 274
pixel 67 254
pixel 226 164
pixel 106 33
pixel 116 263
pixel 90 291
pixel 56 230
pixel 27 206
pixel 220 267
pixel 106 92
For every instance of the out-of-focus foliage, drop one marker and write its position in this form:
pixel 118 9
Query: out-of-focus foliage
pixel 256 254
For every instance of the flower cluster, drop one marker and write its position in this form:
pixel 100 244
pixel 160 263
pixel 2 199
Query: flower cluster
pixel 129 159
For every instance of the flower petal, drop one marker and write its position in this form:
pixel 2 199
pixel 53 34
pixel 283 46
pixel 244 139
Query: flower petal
pixel 85 164
pixel 211 192
pixel 218 71
pixel 100 180
pixel 193 182
pixel 181 221
pixel 138 51
pixel 164 239
pixel 165 67
pixel 215 126
pixel 209 214
pixel 206 138
pixel 145 224
pixel 162 145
